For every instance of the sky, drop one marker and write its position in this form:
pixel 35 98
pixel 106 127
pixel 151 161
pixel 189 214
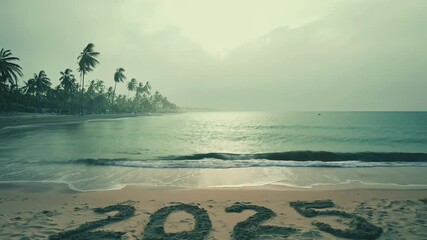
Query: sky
pixel 279 55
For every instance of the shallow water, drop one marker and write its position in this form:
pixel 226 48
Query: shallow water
pixel 221 149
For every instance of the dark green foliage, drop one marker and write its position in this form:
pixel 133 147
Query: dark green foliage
pixel 119 76
pixel 251 228
pixel 82 232
pixel 38 95
pixel 39 86
pixel 155 229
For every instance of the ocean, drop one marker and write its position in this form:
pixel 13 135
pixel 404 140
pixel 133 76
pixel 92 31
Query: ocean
pixel 222 149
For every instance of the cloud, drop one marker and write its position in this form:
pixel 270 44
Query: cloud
pixel 366 56
pixel 352 55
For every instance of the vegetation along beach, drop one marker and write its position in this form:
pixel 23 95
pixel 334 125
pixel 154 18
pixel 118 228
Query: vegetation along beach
pixel 200 119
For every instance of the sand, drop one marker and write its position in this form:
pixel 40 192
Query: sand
pixel 45 210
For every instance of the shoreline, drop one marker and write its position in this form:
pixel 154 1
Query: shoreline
pixel 40 210
pixel 346 186
pixel 65 187
pixel 29 119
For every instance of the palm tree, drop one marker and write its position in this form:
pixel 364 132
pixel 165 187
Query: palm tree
pixel 54 98
pixel 38 85
pixel 139 90
pixel 143 89
pixel 110 94
pixel 157 101
pixel 87 62
pixel 95 95
pixel 147 88
pixel 68 81
pixel 29 87
pixel 9 71
pixel 119 76
pixel 96 86
pixel 69 84
pixel 132 85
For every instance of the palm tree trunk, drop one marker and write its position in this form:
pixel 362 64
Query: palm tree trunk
pixel 114 93
pixel 70 102
pixel 81 94
pixel 38 102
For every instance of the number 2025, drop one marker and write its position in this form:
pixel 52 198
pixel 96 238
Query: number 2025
pixel 251 228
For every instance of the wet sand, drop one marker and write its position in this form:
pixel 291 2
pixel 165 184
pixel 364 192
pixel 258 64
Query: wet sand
pixel 44 210
pixel 19 119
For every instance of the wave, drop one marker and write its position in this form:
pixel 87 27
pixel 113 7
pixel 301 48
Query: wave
pixel 323 156
pixel 278 159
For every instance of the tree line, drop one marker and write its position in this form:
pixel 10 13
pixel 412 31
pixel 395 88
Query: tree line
pixel 71 96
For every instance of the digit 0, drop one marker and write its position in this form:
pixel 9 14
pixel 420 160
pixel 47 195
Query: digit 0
pixel 155 229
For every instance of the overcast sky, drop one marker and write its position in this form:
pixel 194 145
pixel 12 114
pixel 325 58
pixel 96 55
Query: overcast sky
pixel 281 55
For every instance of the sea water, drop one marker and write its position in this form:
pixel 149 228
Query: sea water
pixel 218 149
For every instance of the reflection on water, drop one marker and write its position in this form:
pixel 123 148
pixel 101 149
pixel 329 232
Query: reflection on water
pixel 36 153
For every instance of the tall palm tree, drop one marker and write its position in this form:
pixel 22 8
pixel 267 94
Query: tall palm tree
pixel 119 76
pixel 87 62
pixel 132 85
pixel 9 71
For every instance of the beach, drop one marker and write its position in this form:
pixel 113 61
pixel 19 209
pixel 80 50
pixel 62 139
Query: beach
pixel 213 120
pixel 214 176
pixel 40 210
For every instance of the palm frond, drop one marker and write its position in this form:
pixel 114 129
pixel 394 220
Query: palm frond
pixel 119 75
pixel 87 59
pixel 9 71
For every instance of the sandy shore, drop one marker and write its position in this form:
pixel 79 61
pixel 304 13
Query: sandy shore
pixel 31 118
pixel 42 210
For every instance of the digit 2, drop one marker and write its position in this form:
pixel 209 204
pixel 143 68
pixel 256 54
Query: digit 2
pixel 82 232
pixel 251 228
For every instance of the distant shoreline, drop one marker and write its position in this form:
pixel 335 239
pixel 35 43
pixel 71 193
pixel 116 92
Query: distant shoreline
pixel 21 119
